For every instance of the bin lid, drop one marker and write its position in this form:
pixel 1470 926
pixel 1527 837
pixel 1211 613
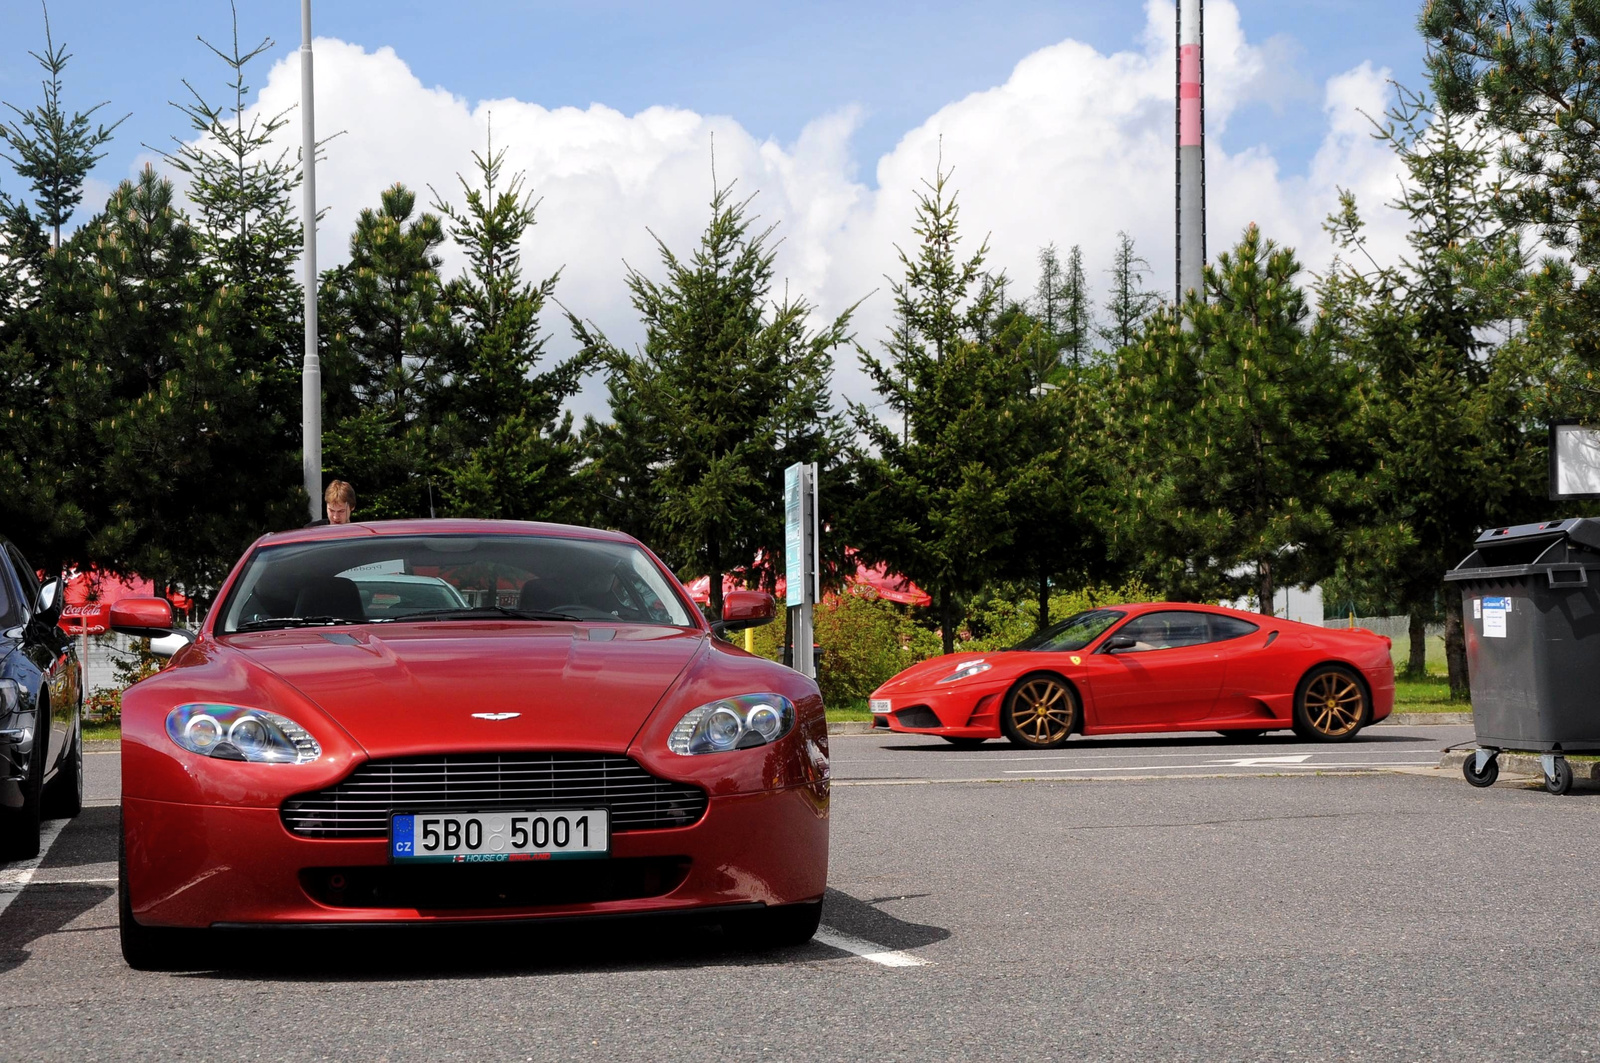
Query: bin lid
pixel 1585 531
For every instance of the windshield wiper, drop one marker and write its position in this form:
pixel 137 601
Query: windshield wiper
pixel 267 622
pixel 479 612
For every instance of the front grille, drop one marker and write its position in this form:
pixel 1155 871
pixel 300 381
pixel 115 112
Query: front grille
pixel 918 716
pixel 360 806
pixel 536 884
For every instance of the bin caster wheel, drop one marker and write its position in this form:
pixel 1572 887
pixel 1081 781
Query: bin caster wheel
pixel 1486 777
pixel 1559 780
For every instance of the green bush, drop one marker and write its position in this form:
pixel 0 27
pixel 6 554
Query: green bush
pixel 865 641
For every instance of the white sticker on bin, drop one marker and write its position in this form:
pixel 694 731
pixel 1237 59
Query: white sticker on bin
pixel 1494 617
pixel 1477 608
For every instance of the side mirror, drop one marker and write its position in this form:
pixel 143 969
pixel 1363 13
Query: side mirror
pixel 1120 642
pixel 742 609
pixel 51 601
pixel 146 618
pixel 149 618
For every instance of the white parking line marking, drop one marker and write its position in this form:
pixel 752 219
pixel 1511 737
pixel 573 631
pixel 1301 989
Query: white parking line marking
pixel 1002 756
pixel 1251 762
pixel 1229 764
pixel 13 880
pixel 867 950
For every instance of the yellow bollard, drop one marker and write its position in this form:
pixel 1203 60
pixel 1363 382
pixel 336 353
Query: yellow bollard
pixel 749 640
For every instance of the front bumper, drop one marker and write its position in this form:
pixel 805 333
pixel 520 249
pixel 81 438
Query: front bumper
pixel 967 713
pixel 203 865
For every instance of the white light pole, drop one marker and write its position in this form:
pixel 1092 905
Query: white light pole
pixel 311 372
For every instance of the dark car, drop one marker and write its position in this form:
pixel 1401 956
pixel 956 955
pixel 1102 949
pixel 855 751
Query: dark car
pixel 41 701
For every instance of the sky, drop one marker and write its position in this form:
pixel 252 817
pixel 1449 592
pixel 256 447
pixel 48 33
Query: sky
pixel 1055 118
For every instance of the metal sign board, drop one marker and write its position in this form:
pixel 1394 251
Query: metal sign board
pixel 794 555
pixel 1574 461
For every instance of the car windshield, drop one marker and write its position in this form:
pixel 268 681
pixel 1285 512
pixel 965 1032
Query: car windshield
pixel 1073 633
pixel 391 578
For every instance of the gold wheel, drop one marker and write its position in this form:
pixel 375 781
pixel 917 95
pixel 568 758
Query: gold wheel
pixel 1332 705
pixel 1040 712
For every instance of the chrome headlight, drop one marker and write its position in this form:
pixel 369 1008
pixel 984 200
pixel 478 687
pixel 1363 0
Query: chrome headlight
pixel 968 670
pixel 232 732
pixel 732 723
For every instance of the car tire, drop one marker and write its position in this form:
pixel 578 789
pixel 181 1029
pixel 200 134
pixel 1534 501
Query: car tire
pixel 1040 712
pixel 19 827
pixel 779 927
pixel 1331 704
pixel 964 743
pixel 63 798
pixel 149 948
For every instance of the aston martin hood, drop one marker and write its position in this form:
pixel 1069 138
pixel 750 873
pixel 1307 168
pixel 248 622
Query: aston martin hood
pixel 459 686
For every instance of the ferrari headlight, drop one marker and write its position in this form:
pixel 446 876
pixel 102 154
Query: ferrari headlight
pixel 232 732
pixel 10 695
pixel 968 670
pixel 733 723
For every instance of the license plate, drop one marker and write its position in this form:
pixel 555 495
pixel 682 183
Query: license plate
pixel 878 704
pixel 498 837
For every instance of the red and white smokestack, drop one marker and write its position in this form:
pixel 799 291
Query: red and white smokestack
pixel 1191 248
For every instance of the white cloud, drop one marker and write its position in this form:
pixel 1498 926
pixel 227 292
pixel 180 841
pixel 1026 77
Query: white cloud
pixel 1075 146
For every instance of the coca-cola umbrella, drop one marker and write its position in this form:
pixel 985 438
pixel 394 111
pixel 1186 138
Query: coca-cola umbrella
pixel 89 596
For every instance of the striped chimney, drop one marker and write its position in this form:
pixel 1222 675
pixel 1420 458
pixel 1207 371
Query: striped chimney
pixel 1191 191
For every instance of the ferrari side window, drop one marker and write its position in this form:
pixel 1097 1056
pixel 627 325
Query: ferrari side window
pixel 1224 628
pixel 1166 631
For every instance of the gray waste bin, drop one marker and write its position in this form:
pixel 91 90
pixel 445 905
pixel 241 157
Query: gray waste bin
pixel 1531 610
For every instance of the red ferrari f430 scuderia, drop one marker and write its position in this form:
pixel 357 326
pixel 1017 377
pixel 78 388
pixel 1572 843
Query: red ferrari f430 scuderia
pixel 1149 667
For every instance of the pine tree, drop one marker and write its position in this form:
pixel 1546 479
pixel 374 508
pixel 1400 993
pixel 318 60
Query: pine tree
pixel 1236 430
pixel 730 388
pixel 50 149
pixel 1129 302
pixel 506 448
pixel 245 225
pixel 1447 376
pixel 937 503
pixel 389 342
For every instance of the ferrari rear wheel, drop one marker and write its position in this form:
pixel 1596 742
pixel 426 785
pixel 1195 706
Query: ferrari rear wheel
pixel 1331 705
pixel 1040 712
pixel 778 927
pixel 149 948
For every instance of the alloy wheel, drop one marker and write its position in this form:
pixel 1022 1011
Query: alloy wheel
pixel 1040 712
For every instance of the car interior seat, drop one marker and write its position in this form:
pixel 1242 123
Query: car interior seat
pixel 333 596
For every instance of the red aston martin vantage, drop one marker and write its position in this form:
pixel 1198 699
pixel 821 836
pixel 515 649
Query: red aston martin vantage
pixel 438 721
pixel 1149 667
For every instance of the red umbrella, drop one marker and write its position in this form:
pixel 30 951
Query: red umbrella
pixel 89 595
pixel 874 582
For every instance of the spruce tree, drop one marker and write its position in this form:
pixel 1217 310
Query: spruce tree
pixel 506 449
pixel 1236 430
pixel 389 339
pixel 1129 301
pixel 53 150
pixel 938 501
pixel 1447 375
pixel 730 388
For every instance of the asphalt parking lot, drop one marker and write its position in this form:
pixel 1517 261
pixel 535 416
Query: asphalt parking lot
pixel 1123 898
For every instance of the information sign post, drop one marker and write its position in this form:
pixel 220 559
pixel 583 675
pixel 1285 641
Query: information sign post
pixel 802 573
